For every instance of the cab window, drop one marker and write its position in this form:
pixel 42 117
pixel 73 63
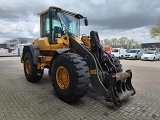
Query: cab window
pixel 45 24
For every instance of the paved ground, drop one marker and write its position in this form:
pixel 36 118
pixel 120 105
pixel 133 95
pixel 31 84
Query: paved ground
pixel 21 100
pixel 8 55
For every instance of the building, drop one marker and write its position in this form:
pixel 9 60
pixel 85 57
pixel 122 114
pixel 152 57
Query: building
pixel 11 44
pixel 150 45
pixel 3 46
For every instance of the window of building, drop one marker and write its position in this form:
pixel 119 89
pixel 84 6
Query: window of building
pixel 23 41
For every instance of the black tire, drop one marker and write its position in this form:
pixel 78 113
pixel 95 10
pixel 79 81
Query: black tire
pixel 32 76
pixel 153 59
pixel 122 57
pixel 117 64
pixel 135 57
pixel 79 77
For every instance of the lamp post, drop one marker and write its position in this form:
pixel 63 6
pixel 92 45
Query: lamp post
pixel 18 48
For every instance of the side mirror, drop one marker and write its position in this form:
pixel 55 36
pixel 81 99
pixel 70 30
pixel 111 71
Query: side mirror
pixel 86 22
pixel 52 13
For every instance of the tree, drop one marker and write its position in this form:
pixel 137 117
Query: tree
pixel 114 42
pixel 132 43
pixel 155 30
pixel 123 41
pixel 107 42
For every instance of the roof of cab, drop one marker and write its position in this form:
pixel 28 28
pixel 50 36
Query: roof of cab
pixel 54 7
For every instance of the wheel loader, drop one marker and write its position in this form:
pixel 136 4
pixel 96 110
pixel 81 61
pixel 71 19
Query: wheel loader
pixel 74 63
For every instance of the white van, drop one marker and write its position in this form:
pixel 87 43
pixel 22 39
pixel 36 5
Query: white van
pixel 134 54
pixel 119 52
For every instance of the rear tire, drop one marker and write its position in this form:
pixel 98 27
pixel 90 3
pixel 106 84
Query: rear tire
pixel 30 69
pixel 75 85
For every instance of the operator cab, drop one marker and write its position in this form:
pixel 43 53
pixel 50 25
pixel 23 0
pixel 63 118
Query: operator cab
pixel 55 22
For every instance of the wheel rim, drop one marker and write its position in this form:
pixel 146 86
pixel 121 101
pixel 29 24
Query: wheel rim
pixel 28 67
pixel 62 77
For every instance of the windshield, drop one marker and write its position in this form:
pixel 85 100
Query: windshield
pixel 149 52
pixel 114 50
pixel 69 23
pixel 132 51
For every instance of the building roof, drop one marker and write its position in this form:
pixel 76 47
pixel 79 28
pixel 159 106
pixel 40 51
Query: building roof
pixel 151 43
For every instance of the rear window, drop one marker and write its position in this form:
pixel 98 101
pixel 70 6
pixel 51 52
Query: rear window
pixel 114 50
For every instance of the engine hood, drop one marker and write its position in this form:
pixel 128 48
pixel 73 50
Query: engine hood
pixel 148 55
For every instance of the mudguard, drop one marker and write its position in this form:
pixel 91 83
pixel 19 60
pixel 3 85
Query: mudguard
pixel 33 49
pixel 59 51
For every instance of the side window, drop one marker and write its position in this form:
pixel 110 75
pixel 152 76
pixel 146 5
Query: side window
pixel 45 24
pixel 57 30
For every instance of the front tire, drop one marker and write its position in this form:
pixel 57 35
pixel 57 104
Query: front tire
pixel 117 64
pixel 70 77
pixel 122 57
pixel 30 69
pixel 135 58
pixel 153 59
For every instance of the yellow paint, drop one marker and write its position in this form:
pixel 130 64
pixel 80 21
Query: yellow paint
pixel 43 43
pixel 44 59
pixel 21 59
pixel 86 41
pixel 62 77
pixel 93 71
pixel 77 39
pixel 28 67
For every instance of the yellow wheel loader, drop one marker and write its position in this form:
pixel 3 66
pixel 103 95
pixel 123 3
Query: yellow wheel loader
pixel 74 63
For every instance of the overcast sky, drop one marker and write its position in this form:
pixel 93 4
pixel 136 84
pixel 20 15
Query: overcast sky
pixel 111 18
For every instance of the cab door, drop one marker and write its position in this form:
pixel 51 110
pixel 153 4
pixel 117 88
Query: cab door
pixel 51 28
pixel 45 26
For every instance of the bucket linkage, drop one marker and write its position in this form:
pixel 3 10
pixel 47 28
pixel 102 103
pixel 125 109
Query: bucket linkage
pixel 109 79
pixel 120 87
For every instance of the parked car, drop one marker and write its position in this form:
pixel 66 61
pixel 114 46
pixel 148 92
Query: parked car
pixel 134 54
pixel 150 55
pixel 119 52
